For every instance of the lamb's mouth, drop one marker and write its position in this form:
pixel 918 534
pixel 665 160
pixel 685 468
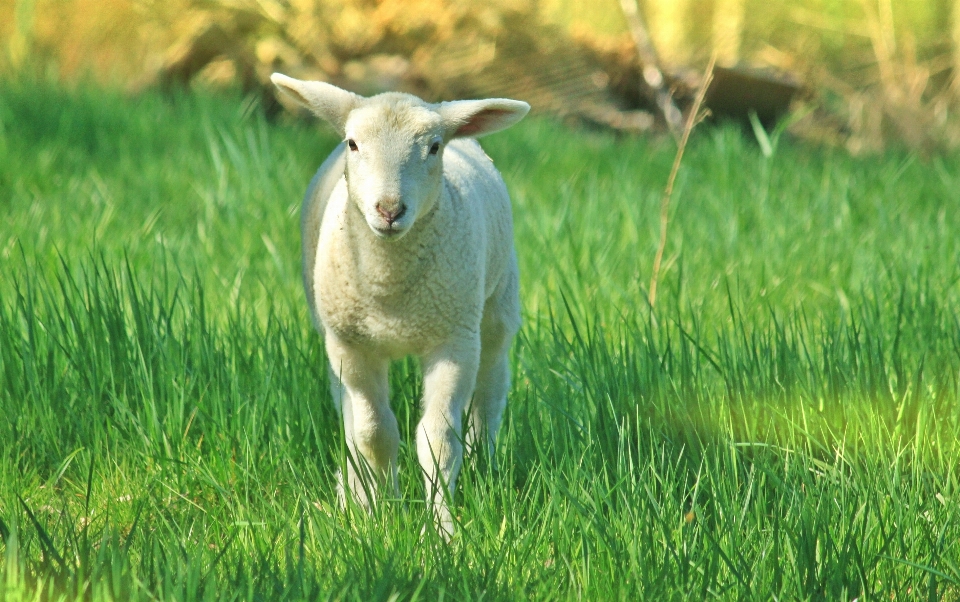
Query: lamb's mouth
pixel 389 232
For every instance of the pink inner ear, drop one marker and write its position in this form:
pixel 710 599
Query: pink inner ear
pixel 481 121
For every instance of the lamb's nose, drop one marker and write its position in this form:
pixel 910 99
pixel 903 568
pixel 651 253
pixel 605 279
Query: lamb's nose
pixel 391 212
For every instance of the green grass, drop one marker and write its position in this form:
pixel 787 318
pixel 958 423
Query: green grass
pixel 785 423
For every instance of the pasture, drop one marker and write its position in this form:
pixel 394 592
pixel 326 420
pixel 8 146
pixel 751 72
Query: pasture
pixel 785 423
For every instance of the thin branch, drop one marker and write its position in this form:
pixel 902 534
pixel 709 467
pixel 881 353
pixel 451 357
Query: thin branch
pixel 650 63
pixel 692 120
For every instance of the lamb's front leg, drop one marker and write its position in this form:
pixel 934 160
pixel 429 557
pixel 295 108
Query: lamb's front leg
pixel 449 376
pixel 360 386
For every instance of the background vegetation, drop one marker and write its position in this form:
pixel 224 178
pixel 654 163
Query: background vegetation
pixel 873 71
pixel 786 423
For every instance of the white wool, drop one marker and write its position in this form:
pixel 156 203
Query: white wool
pixel 408 250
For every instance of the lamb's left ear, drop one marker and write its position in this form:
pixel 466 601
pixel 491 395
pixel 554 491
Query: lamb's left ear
pixel 473 118
pixel 327 101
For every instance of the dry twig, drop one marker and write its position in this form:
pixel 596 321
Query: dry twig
pixel 692 120
pixel 652 74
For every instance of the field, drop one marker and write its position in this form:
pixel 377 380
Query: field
pixel 784 424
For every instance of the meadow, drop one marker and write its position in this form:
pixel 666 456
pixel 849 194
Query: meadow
pixel 783 424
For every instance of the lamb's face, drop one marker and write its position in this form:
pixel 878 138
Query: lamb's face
pixel 395 145
pixel 394 163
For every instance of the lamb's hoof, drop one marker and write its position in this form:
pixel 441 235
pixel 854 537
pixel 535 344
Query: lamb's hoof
pixel 442 524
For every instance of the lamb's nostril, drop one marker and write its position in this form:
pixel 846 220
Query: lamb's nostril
pixel 393 213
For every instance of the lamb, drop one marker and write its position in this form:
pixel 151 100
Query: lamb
pixel 408 250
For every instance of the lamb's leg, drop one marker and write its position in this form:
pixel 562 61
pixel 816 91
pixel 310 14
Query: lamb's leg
pixel 501 320
pixel 490 396
pixel 360 390
pixel 449 375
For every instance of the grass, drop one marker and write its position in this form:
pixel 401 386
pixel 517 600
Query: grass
pixel 786 425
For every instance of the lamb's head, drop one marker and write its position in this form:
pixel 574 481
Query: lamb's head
pixel 395 142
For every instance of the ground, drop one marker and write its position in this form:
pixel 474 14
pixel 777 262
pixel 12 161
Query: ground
pixel 785 422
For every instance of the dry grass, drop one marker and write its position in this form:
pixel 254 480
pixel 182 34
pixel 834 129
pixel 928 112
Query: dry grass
pixel 693 117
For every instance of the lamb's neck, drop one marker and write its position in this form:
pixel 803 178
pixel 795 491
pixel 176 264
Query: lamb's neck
pixel 379 262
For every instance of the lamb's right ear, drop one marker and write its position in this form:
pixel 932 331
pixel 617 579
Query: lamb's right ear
pixel 474 118
pixel 327 101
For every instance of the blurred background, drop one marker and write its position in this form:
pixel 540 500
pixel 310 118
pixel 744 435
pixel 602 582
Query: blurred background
pixel 863 74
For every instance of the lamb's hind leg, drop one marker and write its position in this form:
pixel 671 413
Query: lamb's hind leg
pixel 500 323
pixel 490 396
pixel 360 390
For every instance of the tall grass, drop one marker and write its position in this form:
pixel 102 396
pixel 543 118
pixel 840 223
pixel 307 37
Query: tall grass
pixel 787 426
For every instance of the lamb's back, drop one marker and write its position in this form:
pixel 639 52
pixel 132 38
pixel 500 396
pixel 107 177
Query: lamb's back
pixel 480 189
pixel 311 217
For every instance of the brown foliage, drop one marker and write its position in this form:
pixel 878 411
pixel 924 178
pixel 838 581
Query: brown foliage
pixel 434 48
pixel 463 48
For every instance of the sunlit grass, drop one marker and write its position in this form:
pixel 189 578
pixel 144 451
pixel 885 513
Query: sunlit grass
pixel 786 424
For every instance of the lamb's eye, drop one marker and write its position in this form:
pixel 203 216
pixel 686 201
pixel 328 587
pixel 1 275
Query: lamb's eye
pixel 352 144
pixel 435 148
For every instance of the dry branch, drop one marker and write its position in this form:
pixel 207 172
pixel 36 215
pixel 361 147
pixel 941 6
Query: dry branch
pixel 693 117
pixel 652 73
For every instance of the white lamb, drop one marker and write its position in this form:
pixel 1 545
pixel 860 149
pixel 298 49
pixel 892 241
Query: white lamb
pixel 408 250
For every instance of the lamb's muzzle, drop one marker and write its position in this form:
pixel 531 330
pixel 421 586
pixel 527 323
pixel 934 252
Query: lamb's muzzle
pixel 391 211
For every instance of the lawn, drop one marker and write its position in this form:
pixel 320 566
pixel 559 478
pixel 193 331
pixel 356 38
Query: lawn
pixel 784 423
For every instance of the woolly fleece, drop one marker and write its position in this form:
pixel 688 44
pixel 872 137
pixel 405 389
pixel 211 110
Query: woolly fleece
pixel 407 240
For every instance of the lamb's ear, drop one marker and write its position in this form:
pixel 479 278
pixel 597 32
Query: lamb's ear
pixel 327 101
pixel 473 118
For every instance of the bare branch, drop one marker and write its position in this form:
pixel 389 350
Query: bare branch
pixel 692 120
